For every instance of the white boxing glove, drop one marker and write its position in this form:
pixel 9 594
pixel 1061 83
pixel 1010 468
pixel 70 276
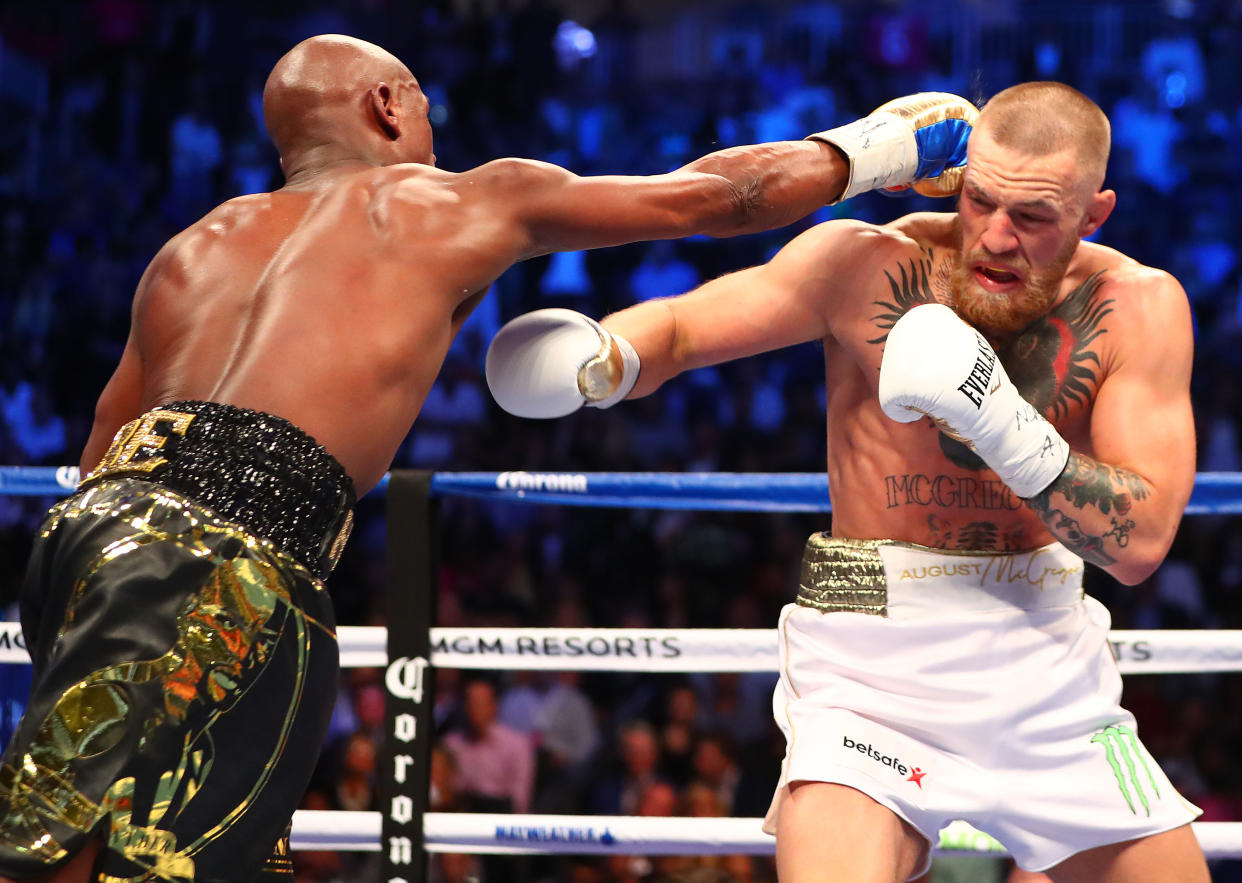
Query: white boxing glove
pixel 917 141
pixel 938 366
pixel 549 363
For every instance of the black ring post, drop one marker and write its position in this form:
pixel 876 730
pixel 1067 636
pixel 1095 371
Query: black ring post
pixel 409 681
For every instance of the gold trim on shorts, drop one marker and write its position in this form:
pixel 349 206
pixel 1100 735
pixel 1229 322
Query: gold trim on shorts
pixel 841 575
pixel 844 575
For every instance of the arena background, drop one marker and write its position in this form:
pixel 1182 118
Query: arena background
pixel 124 120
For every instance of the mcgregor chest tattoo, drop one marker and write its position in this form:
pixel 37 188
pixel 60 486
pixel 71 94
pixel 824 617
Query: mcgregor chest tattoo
pixel 1055 362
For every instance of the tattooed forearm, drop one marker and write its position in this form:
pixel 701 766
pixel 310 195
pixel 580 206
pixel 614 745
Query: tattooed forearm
pixel 1085 484
pixel 1073 537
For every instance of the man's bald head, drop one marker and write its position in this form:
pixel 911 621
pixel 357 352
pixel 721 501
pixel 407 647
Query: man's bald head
pixel 320 87
pixel 1043 118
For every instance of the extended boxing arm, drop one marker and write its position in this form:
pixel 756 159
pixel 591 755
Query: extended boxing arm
pixel 787 301
pixel 916 141
pixel 748 189
pixel 549 363
pixel 920 138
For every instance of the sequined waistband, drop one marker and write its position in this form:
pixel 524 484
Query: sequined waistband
pixel 903 580
pixel 252 468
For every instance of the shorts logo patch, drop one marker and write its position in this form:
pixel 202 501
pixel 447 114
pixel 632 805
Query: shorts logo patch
pixel 1121 749
pixel 135 447
pixel 894 763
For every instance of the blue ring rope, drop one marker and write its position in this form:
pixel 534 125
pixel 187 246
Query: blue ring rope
pixel 1215 493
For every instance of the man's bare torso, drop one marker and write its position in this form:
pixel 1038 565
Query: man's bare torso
pixel 331 305
pixel 911 482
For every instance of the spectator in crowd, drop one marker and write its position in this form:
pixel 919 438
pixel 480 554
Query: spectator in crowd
pixel 639 750
pixel 679 732
pixel 111 111
pixel 355 784
pixel 715 768
pixel 495 764
pixel 442 781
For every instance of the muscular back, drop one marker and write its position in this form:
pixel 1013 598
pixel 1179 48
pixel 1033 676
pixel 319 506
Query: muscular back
pixel 911 481
pixel 332 301
pixel 331 306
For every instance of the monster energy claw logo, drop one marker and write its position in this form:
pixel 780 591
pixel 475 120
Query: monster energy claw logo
pixel 1121 747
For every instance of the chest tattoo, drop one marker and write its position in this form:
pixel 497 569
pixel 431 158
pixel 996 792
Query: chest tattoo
pixel 1055 362
pixel 911 289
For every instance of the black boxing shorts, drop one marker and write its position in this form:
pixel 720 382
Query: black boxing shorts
pixel 184 652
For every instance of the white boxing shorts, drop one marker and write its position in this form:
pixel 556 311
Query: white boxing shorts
pixel 974 686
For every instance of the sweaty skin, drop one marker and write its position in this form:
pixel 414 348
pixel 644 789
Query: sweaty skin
pixel 1099 343
pixel 1107 360
pixel 912 482
pixel 332 301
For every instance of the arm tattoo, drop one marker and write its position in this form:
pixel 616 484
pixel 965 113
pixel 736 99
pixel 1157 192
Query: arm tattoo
pixel 1083 483
pixel 1076 539
pixel 747 198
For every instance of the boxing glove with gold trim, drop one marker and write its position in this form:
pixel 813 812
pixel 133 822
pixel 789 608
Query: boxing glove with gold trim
pixel 549 363
pixel 918 141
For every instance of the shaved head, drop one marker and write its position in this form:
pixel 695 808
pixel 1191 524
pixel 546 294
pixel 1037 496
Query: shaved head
pixel 320 87
pixel 1043 118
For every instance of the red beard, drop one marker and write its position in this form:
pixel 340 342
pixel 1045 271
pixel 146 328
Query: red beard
pixel 1006 313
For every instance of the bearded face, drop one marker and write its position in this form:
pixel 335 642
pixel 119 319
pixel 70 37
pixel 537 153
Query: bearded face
pixel 1031 291
pixel 1019 220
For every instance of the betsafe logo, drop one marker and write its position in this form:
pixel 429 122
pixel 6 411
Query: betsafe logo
pixel 913 774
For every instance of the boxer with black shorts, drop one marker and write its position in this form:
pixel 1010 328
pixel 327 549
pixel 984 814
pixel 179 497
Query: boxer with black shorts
pixel 280 350
pixel 1005 402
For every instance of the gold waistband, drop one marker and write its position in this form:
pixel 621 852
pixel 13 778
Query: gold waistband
pixel 843 576
pixel 903 580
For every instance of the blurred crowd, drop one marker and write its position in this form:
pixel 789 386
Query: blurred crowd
pixel 128 119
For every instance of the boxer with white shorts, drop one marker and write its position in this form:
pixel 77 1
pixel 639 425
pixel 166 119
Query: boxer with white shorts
pixel 1021 735
pixel 1005 402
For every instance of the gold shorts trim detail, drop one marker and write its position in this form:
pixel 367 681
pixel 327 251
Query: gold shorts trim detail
pixel 841 575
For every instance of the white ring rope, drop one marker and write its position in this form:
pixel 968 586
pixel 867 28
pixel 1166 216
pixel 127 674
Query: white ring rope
pixel 1147 651
pixel 656 650
pixel 626 835
pixel 663 650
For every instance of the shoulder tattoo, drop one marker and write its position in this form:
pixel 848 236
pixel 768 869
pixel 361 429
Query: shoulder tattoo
pixel 912 289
